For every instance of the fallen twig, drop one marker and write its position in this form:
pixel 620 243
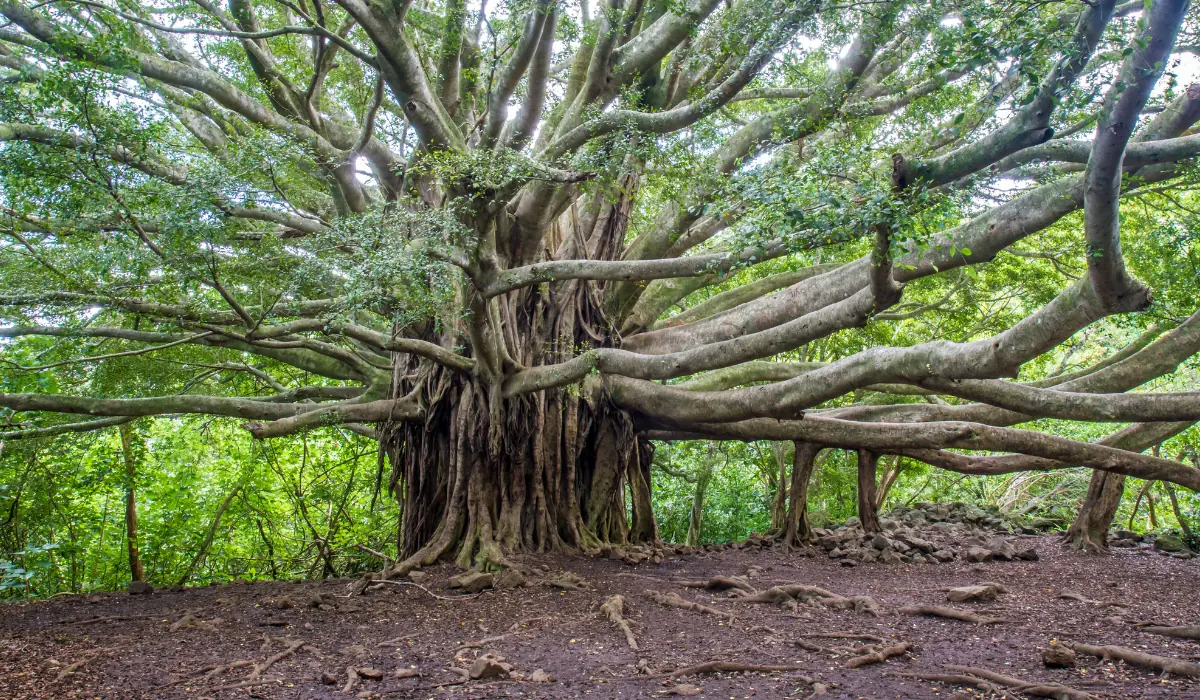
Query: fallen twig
pixel 379 583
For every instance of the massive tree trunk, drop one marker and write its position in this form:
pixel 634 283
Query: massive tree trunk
pixel 868 509
pixel 1090 529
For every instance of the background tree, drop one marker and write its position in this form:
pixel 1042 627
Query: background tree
pixel 492 233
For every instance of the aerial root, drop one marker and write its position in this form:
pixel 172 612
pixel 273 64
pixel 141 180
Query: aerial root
pixel 949 614
pixel 1089 601
pixel 614 609
pixel 878 656
pixel 1056 691
pixel 1181 632
pixel 720 583
pixel 673 600
pixel 1162 664
pixel 790 595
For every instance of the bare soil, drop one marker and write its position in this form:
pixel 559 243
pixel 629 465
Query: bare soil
pixel 236 638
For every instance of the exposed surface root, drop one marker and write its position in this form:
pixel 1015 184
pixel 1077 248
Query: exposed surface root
pixel 879 656
pixel 1089 601
pixel 844 635
pixel 948 613
pixel 799 593
pixel 513 630
pixel 672 600
pixel 614 609
pixel 1056 691
pixel 108 618
pixel 1141 659
pixel 1182 632
pixel 77 665
pixel 721 583
pixel 728 667
pixel 955 678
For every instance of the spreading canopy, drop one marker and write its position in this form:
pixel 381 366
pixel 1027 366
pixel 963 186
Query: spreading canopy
pixel 852 224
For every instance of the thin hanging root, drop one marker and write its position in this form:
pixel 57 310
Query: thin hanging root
pixel 1089 601
pixel 672 600
pixel 949 614
pixel 614 609
pixel 1056 691
pixel 1133 657
pixel 729 667
pixel 1183 632
pixel 720 583
pixel 794 593
pixel 878 657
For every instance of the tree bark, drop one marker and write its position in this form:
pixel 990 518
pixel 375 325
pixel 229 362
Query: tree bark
pixel 868 511
pixel 797 530
pixel 136 573
pixel 1089 532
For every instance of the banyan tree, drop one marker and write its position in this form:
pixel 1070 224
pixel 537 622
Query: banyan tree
pixel 517 243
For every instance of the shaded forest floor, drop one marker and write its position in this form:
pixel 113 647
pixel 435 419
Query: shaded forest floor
pixel 59 649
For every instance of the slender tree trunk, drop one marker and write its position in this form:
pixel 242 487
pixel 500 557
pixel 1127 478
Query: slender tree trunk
pixel 779 503
pixel 1089 532
pixel 891 473
pixel 804 460
pixel 696 521
pixel 208 535
pixel 1188 536
pixel 868 511
pixel 131 525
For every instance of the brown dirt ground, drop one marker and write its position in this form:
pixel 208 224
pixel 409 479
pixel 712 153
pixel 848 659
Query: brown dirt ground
pixel 403 627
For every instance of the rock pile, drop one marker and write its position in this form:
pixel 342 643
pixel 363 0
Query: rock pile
pixel 930 532
pixel 1166 543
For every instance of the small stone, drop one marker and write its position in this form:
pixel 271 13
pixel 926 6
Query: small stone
pixel 540 676
pixel 881 542
pixel 140 588
pixel 1169 543
pixel 848 563
pixel 1002 549
pixel 406 673
pixel 1183 555
pixel 978 554
pixel 418 576
pixel 1058 656
pixel 371 674
pixel 329 679
pixel 490 666
pixel 890 557
pixel 852 522
pixel 510 579
pixel 684 689
pixel 944 555
pixel 472 581
pixel 1027 554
